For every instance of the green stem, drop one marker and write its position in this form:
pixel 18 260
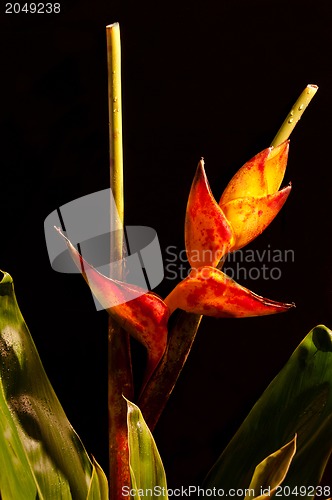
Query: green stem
pixel 119 362
pixel 115 129
pixel 294 115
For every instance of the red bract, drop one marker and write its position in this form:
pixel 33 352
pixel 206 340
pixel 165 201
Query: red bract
pixel 210 292
pixel 144 315
pixel 208 235
pixel 250 215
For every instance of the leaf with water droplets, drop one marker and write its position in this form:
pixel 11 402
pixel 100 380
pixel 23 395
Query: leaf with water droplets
pixel 297 401
pixel 146 468
pixel 41 456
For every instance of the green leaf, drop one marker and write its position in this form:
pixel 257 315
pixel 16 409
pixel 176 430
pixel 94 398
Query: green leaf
pixel 147 472
pixel 99 486
pixel 271 472
pixel 298 401
pixel 41 456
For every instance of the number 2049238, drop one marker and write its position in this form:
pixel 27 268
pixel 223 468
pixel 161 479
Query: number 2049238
pixel 33 8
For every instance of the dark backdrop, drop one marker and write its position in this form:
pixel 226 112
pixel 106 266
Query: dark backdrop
pixel 212 79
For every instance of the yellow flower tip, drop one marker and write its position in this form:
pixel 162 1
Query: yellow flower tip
pixel 275 167
pixel 249 180
pixel 260 176
pixel 210 292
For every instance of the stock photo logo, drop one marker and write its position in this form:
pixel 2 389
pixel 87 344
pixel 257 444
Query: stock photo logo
pixel 244 264
pixel 86 222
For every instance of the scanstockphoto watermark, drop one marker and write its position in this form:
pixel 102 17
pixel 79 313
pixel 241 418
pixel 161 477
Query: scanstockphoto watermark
pixel 244 264
pixel 88 223
pixel 191 491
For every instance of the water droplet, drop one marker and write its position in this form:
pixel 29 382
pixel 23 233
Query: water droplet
pixel 292 112
pixel 291 120
pixel 115 99
pixel 308 91
pixel 115 110
pixel 301 107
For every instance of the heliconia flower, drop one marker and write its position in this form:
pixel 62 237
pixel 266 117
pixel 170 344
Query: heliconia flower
pixel 251 200
pixel 208 235
pixel 144 315
pixel 210 292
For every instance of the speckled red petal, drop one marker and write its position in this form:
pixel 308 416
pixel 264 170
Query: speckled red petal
pixel 210 292
pixel 208 235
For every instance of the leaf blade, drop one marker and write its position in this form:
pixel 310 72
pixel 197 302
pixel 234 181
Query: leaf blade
pixel 298 400
pixel 54 455
pixel 147 470
pixel 271 472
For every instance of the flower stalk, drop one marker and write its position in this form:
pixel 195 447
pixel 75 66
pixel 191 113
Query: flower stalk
pixel 294 115
pixel 119 361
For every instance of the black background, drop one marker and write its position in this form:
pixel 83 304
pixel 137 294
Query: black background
pixel 212 79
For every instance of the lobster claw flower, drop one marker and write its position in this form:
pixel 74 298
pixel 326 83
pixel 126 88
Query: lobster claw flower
pixel 211 292
pixel 251 200
pixel 144 315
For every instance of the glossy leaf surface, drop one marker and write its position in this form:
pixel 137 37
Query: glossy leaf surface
pixel 147 470
pixel 40 453
pixel 298 401
pixel 210 292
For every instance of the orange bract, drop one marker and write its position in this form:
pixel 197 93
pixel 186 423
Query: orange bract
pixel 250 216
pixel 260 176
